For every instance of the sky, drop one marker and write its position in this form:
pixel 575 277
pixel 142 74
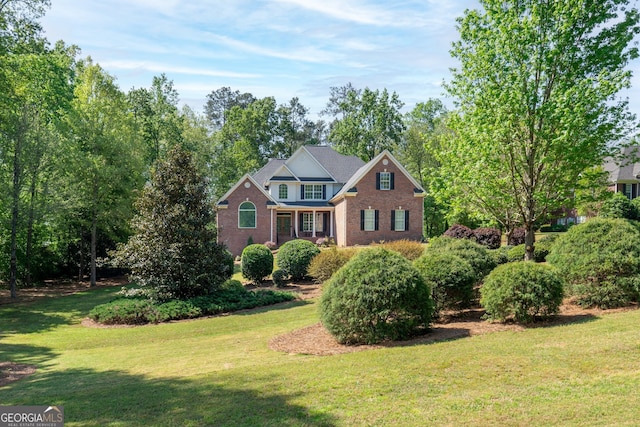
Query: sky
pixel 279 48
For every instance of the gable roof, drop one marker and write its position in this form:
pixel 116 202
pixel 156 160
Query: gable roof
pixel 626 168
pixel 353 181
pixel 260 187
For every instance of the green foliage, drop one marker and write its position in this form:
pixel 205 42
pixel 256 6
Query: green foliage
pixel 477 255
pixel 516 253
pixel 279 278
pixel 410 249
pixel 327 262
pixel 257 262
pixel 295 256
pixel 231 296
pixel 600 260
pixel 377 295
pixel 450 278
pixel 524 291
pixel 500 255
pixel 618 206
pixel 174 253
pixel 540 251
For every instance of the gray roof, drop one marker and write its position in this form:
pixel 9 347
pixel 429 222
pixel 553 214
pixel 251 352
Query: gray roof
pixel 267 171
pixel 625 168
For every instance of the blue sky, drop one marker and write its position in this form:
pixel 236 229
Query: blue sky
pixel 280 48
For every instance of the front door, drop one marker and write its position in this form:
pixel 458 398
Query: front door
pixel 284 225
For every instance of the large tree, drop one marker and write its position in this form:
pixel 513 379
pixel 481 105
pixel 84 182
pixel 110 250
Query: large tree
pixel 537 92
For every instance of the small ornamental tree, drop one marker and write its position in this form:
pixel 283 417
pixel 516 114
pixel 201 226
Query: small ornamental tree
pixel 489 237
pixel 173 252
pixel 257 262
pixel 459 231
pixel 295 256
pixel 377 295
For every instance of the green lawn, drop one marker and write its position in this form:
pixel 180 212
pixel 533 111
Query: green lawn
pixel 220 371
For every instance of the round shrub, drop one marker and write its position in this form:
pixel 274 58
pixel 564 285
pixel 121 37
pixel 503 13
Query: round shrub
pixel 476 255
pixel 516 253
pixel 279 278
pixel 459 231
pixel 618 206
pixel 327 262
pixel 377 295
pixel 450 278
pixel 600 260
pixel 491 238
pixel 257 262
pixel 410 249
pixel 500 255
pixel 523 291
pixel 295 256
pixel 517 237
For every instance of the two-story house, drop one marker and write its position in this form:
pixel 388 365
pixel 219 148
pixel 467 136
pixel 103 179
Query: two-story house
pixel 318 192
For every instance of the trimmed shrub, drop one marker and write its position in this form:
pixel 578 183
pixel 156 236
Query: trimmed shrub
pixel 600 260
pixel 378 295
pixel 327 262
pixel 279 278
pixel 523 291
pixel 295 256
pixel 450 278
pixel 517 237
pixel 540 251
pixel 618 206
pixel 516 253
pixel 491 238
pixel 459 231
pixel 500 255
pixel 257 263
pixel 476 255
pixel 410 249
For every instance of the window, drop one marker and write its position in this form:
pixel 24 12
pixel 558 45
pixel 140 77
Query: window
pixel 283 191
pixel 313 192
pixel 384 181
pixel 399 220
pixel 307 222
pixel 247 215
pixel 627 189
pixel 369 220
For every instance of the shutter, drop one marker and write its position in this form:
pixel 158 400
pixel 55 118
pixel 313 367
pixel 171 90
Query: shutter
pixel 325 222
pixel 324 192
pixel 391 186
pixel 300 223
pixel 302 192
pixel 362 219
pixel 377 180
pixel 393 220
pixel 406 220
pixel 377 227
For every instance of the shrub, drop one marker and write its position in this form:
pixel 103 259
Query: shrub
pixel 325 242
pixel 618 206
pixel 516 253
pixel 295 256
pixel 543 247
pixel 491 238
pixel 410 249
pixel 523 291
pixel 476 255
pixel 600 260
pixel 327 262
pixel 459 231
pixel 500 255
pixel 450 278
pixel 377 295
pixel 279 278
pixel 257 262
pixel 517 237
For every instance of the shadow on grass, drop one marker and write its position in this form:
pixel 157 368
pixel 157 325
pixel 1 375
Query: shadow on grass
pixel 93 398
pixel 21 353
pixel 273 307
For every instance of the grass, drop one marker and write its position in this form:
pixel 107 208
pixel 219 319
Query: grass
pixel 220 371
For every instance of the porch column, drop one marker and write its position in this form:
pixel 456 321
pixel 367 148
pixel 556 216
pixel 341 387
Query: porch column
pixel 295 230
pixel 313 233
pixel 271 238
pixel 330 223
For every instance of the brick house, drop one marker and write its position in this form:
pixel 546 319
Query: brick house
pixel 318 193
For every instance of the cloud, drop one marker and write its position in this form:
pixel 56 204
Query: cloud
pixel 165 68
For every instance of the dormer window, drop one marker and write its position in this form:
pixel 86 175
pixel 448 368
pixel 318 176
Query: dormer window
pixel 283 191
pixel 313 192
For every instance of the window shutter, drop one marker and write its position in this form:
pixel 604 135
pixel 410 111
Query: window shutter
pixel 302 192
pixel 300 222
pixel 362 219
pixel 377 180
pixel 391 186
pixel 377 227
pixel 324 192
pixel 406 220
pixel 393 220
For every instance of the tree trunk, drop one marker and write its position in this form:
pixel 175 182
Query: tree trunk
pixel 15 200
pixel 29 251
pixel 529 241
pixel 94 235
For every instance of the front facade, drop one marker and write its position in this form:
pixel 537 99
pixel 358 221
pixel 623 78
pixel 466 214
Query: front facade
pixel 319 193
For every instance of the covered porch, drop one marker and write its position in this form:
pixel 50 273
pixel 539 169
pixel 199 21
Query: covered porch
pixel 303 222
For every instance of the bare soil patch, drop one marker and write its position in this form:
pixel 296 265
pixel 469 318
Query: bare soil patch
pixel 11 372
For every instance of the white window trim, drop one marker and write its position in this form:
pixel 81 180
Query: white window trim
pixel 400 223
pixel 385 183
pixel 370 220
pixel 255 215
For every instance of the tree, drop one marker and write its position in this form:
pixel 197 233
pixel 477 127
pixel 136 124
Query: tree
pixel 294 128
pixel 173 252
pixel 365 122
pixel 536 93
pixel 221 101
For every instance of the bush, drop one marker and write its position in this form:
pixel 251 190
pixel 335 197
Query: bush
pixel 410 249
pixel 600 260
pixel 491 238
pixel 257 262
pixel 459 231
pixel 279 278
pixel 523 291
pixel 517 237
pixel 618 206
pixel 543 247
pixel 327 262
pixel 295 256
pixel 377 295
pixel 500 255
pixel 516 253
pixel 450 278
pixel 476 255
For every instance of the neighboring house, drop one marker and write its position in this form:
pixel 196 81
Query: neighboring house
pixel 318 193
